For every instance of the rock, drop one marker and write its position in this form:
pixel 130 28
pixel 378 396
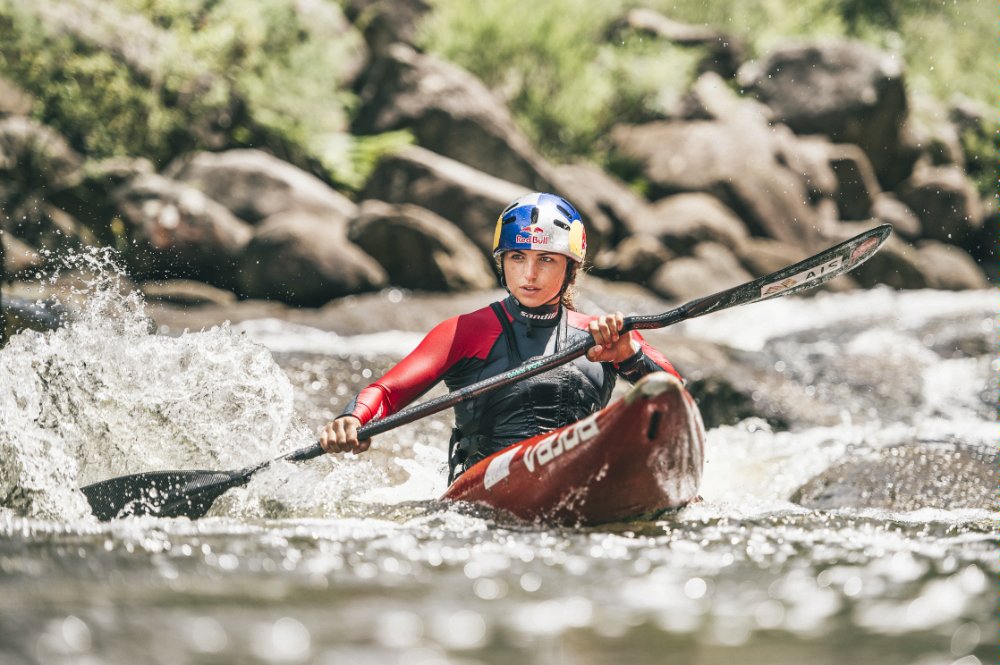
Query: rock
pixel 419 249
pixel 983 247
pixel 711 98
pixel 91 200
pixel 948 267
pixel 13 100
pixel 47 227
pixel 176 231
pixel 713 268
pixel 847 91
pixel 907 477
pixel 450 112
pixel 305 259
pixel 889 209
pixel 809 158
pixel 470 199
pixel 387 22
pixel 17 257
pixel 33 158
pixel 255 185
pixel 635 259
pixel 857 184
pixel 946 203
pixel 934 132
pixel 737 163
pixel 606 204
pixel 187 292
pixel 683 221
pixel 726 52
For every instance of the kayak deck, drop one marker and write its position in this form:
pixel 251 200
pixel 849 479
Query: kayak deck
pixel 639 455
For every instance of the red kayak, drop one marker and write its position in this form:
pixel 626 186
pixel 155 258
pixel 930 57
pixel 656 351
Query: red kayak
pixel 640 455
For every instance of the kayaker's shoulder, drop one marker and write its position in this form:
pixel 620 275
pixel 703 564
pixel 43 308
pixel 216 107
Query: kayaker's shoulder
pixel 579 319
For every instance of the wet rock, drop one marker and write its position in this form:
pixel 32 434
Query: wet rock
pixel 857 184
pixel 419 249
pixel 912 476
pixel 450 112
pixel 470 199
pixel 949 267
pixel 945 201
pixel 33 158
pixel 46 227
pixel 177 231
pixel 736 163
pixel 305 259
pixel 712 268
pixel 887 208
pixel 254 185
pixel 847 91
pixel 683 221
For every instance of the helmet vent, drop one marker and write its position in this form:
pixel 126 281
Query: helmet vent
pixel 561 224
pixel 534 214
pixel 510 219
pixel 564 211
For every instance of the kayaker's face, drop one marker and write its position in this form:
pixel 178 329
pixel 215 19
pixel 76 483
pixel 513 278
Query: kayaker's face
pixel 535 278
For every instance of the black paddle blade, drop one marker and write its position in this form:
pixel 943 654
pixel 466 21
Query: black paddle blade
pixel 161 493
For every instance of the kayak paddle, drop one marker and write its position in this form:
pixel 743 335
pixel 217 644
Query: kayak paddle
pixel 191 493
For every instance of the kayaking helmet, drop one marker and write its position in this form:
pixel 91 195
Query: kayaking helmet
pixel 543 222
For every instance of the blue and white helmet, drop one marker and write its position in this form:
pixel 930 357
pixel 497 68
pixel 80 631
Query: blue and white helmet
pixel 543 222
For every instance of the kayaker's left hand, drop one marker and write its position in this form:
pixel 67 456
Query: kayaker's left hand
pixel 612 346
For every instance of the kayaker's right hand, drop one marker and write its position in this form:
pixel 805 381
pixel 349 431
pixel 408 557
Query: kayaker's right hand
pixel 341 436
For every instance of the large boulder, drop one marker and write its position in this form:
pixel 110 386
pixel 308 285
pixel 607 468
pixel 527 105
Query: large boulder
pixel 710 269
pixel 33 158
pixel 889 209
pixel 634 259
pixel 848 91
pixel 857 184
pixel 735 162
pixel 255 185
pixel 419 249
pixel 606 204
pixel 470 199
pixel 304 258
pixel 948 267
pixel 946 202
pixel 683 221
pixel 450 112
pixel 174 230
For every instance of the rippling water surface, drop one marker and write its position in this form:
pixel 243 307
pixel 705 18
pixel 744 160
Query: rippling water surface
pixel 352 560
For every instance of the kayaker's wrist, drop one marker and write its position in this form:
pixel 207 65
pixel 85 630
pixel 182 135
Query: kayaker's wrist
pixel 632 360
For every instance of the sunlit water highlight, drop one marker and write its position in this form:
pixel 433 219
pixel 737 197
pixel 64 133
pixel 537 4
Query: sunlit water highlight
pixel 352 559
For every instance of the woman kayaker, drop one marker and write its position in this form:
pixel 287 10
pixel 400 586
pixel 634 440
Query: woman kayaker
pixel 539 246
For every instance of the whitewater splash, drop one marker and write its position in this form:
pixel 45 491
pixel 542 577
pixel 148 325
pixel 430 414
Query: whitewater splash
pixel 102 396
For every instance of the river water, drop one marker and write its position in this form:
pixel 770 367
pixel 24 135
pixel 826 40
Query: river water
pixel 352 560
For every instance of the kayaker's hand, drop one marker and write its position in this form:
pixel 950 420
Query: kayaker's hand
pixel 341 436
pixel 612 346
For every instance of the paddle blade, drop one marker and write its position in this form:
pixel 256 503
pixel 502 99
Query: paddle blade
pixel 161 493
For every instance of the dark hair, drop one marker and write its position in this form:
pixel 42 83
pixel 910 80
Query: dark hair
pixel 569 283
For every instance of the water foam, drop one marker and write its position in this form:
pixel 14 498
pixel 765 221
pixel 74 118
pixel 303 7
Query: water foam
pixel 102 396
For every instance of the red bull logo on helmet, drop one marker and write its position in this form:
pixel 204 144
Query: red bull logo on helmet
pixel 532 235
